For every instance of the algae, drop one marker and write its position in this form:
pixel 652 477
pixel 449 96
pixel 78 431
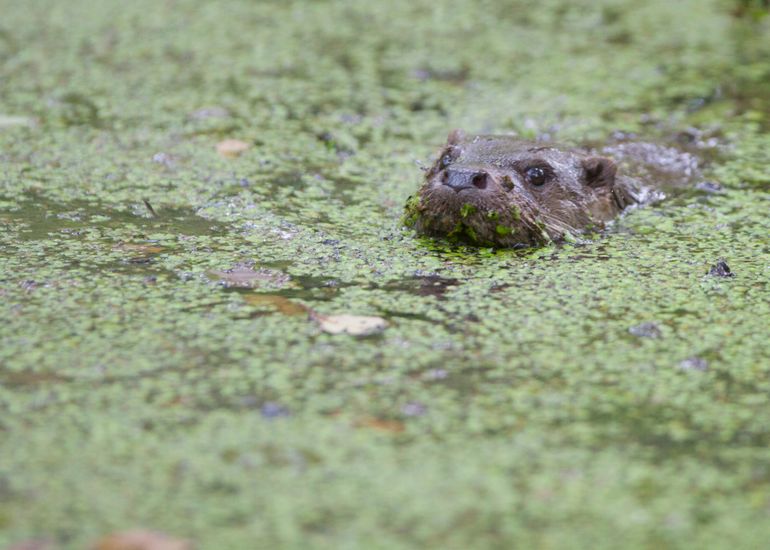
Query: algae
pixel 507 403
pixel 467 209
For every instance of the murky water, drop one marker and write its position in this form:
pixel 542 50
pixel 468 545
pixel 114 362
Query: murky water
pixel 165 366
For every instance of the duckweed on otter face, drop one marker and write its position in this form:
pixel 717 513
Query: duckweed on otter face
pixel 507 403
pixel 467 209
pixel 411 211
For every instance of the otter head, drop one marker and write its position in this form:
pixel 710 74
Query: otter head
pixel 500 191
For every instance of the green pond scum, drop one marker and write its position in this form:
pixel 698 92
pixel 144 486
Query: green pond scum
pixel 603 393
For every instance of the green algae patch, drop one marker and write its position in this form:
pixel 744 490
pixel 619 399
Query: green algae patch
pixel 467 210
pixel 160 367
pixel 412 211
pixel 463 233
pixel 503 230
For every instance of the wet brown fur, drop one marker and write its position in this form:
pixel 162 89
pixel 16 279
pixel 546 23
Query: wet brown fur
pixel 481 190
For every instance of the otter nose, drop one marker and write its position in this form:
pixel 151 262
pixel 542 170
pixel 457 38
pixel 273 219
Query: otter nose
pixel 465 179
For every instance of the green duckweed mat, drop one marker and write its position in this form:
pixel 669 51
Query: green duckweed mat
pixel 164 366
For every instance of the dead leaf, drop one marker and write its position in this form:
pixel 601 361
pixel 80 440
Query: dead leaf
pixel 380 424
pixel 279 303
pixel 141 539
pixel 355 325
pixel 29 378
pixel 231 148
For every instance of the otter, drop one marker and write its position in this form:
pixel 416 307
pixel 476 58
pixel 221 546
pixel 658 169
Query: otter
pixel 493 190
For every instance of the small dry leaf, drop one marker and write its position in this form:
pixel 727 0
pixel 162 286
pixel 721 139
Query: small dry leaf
pixel 356 325
pixel 140 539
pixel 30 378
pixel 231 148
pixel 380 424
pixel 279 303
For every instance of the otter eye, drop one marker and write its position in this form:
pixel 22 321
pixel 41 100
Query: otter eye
pixel 450 155
pixel 536 175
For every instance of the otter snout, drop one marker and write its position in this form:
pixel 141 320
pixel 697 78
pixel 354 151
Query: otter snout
pixel 459 179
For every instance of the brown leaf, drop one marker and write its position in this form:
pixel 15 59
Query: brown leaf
pixel 29 378
pixel 140 539
pixel 231 148
pixel 279 303
pixel 380 424
pixel 356 325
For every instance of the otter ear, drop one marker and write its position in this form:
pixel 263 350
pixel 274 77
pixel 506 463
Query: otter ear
pixel 455 137
pixel 599 172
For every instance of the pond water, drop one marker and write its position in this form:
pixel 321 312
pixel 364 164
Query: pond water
pixel 166 359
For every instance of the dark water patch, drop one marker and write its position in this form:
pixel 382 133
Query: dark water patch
pixel 302 287
pixel 244 275
pixel 131 242
pixel 457 75
pixel 41 218
pixel 327 285
pixel 75 109
pixel 23 379
pixel 423 285
pixel 672 431
pixel 143 267
pixel 344 187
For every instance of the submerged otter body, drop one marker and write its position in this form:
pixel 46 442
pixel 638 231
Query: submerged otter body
pixel 504 192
